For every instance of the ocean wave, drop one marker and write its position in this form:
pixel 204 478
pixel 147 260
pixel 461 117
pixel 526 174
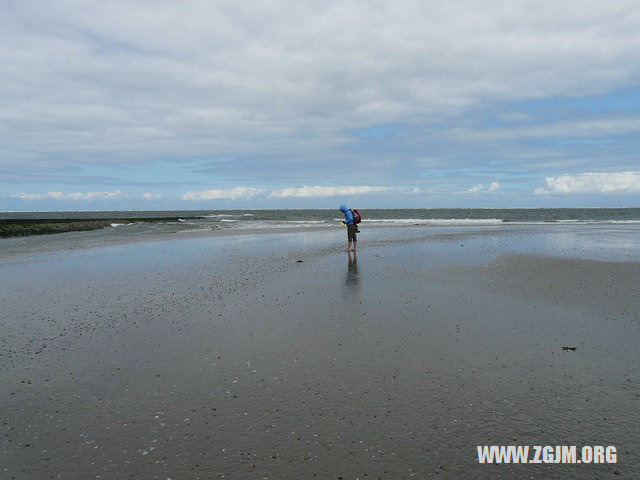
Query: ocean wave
pixel 376 222
pixel 434 221
pixel 282 223
pixel 381 222
pixel 570 221
pixel 617 221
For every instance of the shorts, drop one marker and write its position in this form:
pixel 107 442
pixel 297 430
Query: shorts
pixel 351 233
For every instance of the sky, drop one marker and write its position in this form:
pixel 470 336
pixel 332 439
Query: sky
pixel 308 104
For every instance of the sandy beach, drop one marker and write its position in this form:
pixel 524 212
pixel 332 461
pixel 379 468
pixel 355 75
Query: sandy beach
pixel 276 355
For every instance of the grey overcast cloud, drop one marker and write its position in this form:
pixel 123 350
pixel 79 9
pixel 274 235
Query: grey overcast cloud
pixel 194 104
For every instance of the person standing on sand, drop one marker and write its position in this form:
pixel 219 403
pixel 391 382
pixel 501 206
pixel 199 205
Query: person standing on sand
pixel 351 228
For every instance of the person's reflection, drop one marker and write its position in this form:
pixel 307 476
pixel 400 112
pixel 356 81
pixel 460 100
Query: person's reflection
pixel 353 281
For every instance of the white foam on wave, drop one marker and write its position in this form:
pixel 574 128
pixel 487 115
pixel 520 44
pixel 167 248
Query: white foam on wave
pixel 618 221
pixel 378 222
pixel 573 221
pixel 434 221
pixel 199 229
pixel 278 224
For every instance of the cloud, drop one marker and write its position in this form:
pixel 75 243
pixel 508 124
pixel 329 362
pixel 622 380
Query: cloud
pixel 316 191
pixel 419 191
pixel 294 93
pixel 39 196
pixel 622 182
pixel 138 86
pixel 97 195
pixel 87 196
pixel 574 128
pixel 238 193
pixel 494 187
pixel 151 196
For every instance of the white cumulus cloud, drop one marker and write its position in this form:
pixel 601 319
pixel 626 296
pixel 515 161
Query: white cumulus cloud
pixel 318 191
pixel 620 182
pixel 151 196
pixel 494 187
pixel 419 191
pixel 479 188
pixel 86 196
pixel 238 193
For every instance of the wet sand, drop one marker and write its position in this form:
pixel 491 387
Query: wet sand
pixel 226 357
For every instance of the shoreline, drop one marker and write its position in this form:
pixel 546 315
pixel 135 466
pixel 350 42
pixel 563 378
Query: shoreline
pixel 34 227
pixel 25 224
pixel 34 245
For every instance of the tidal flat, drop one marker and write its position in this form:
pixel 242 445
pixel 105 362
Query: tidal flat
pixel 277 355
